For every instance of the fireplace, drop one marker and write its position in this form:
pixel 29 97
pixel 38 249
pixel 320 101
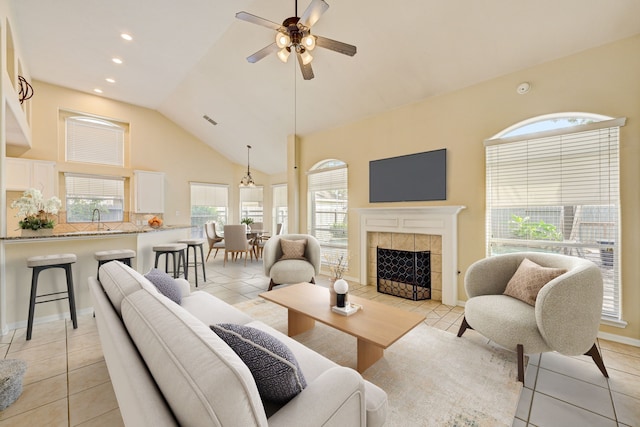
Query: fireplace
pixel 405 274
pixel 431 228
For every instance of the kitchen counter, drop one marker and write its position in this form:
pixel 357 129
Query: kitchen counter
pixel 97 233
pixel 15 276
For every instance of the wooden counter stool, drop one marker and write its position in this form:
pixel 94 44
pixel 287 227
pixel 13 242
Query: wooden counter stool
pixel 43 262
pixel 177 251
pixel 194 244
pixel 122 255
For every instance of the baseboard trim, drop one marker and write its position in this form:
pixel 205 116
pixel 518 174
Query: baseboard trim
pixel 619 339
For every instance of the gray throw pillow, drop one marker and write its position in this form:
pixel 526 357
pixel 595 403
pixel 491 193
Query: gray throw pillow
pixel 166 284
pixel 273 366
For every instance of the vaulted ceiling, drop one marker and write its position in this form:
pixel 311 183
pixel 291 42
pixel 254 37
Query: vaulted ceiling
pixel 187 58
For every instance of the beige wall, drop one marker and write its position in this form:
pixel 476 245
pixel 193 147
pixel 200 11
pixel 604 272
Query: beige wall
pixel 157 144
pixel 604 80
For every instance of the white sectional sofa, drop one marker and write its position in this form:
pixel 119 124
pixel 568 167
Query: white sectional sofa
pixel 169 368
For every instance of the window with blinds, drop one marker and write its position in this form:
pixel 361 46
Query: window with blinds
pixel 280 208
pixel 328 204
pixel 91 140
pixel 558 191
pixel 91 197
pixel 251 199
pixel 209 202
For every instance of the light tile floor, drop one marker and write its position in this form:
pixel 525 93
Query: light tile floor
pixel 67 382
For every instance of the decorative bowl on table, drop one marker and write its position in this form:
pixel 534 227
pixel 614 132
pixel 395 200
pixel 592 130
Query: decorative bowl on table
pixel 155 222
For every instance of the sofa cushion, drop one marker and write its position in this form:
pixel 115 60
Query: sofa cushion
pixel 528 279
pixel 166 284
pixel 293 249
pixel 119 280
pixel 211 310
pixel 272 364
pixel 204 382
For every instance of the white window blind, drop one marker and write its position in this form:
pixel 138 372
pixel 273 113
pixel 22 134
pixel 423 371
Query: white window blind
pixel 92 140
pixel 328 205
pixel 558 191
pixel 209 202
pixel 84 193
pixel 209 194
pixel 251 199
pixel 280 207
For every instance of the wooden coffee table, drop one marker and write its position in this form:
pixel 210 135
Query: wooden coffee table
pixel 376 325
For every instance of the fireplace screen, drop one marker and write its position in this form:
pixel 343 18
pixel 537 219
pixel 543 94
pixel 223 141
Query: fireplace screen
pixel 404 274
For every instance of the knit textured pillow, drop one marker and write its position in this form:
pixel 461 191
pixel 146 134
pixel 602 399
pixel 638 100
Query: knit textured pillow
pixel 528 279
pixel 293 249
pixel 166 284
pixel 273 366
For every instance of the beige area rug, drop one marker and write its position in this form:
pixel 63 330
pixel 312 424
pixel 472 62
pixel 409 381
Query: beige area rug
pixel 432 377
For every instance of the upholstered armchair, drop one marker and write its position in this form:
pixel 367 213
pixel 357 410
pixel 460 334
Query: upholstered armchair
pixel 565 314
pixel 289 263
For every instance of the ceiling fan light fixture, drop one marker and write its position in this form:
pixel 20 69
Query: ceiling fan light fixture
pixel 283 54
pixel 309 42
pixel 282 40
pixel 306 57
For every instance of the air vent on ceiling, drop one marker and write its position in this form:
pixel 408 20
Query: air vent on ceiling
pixel 210 120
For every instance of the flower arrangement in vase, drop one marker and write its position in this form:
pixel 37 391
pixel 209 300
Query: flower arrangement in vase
pixel 247 221
pixel 35 211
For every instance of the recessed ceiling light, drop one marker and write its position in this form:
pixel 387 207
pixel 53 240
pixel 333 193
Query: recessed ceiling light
pixel 126 36
pixel 97 90
pixel 110 80
pixel 117 60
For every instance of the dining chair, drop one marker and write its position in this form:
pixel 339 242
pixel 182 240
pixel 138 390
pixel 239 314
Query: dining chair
pixel 215 241
pixel 236 242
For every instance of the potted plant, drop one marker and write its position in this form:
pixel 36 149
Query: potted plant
pixel 247 221
pixel 35 212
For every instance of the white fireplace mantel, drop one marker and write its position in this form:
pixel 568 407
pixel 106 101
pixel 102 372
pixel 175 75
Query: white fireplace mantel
pixel 435 220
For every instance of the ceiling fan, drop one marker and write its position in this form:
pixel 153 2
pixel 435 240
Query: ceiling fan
pixel 294 35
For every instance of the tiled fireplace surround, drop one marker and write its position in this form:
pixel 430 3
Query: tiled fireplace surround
pixel 431 228
pixel 406 242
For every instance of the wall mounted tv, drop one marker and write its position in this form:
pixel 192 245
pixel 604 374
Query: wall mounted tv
pixel 410 178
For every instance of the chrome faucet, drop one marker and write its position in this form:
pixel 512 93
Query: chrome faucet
pixel 93 216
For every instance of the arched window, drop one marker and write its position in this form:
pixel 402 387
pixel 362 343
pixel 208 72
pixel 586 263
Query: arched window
pixel 328 203
pixel 552 185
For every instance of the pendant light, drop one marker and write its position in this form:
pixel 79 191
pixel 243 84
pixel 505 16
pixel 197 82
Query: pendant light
pixel 247 180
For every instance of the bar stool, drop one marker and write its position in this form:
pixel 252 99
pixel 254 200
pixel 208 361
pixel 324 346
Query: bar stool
pixel 43 262
pixel 174 249
pixel 193 244
pixel 122 255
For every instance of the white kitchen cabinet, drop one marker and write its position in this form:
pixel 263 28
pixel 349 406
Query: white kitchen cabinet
pixel 22 174
pixel 149 192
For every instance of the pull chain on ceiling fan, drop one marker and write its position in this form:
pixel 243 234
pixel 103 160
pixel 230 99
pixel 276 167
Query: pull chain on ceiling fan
pixel 294 35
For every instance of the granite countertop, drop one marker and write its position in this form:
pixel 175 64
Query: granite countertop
pixel 98 233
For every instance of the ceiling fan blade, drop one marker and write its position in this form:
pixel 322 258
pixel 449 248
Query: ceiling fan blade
pixel 265 51
pixel 245 16
pixel 313 12
pixel 336 46
pixel 307 71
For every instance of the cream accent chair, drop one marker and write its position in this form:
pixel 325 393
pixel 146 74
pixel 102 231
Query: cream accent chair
pixel 565 318
pixel 236 243
pixel 291 270
pixel 215 241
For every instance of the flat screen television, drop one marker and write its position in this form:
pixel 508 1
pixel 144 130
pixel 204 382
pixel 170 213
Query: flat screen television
pixel 410 178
